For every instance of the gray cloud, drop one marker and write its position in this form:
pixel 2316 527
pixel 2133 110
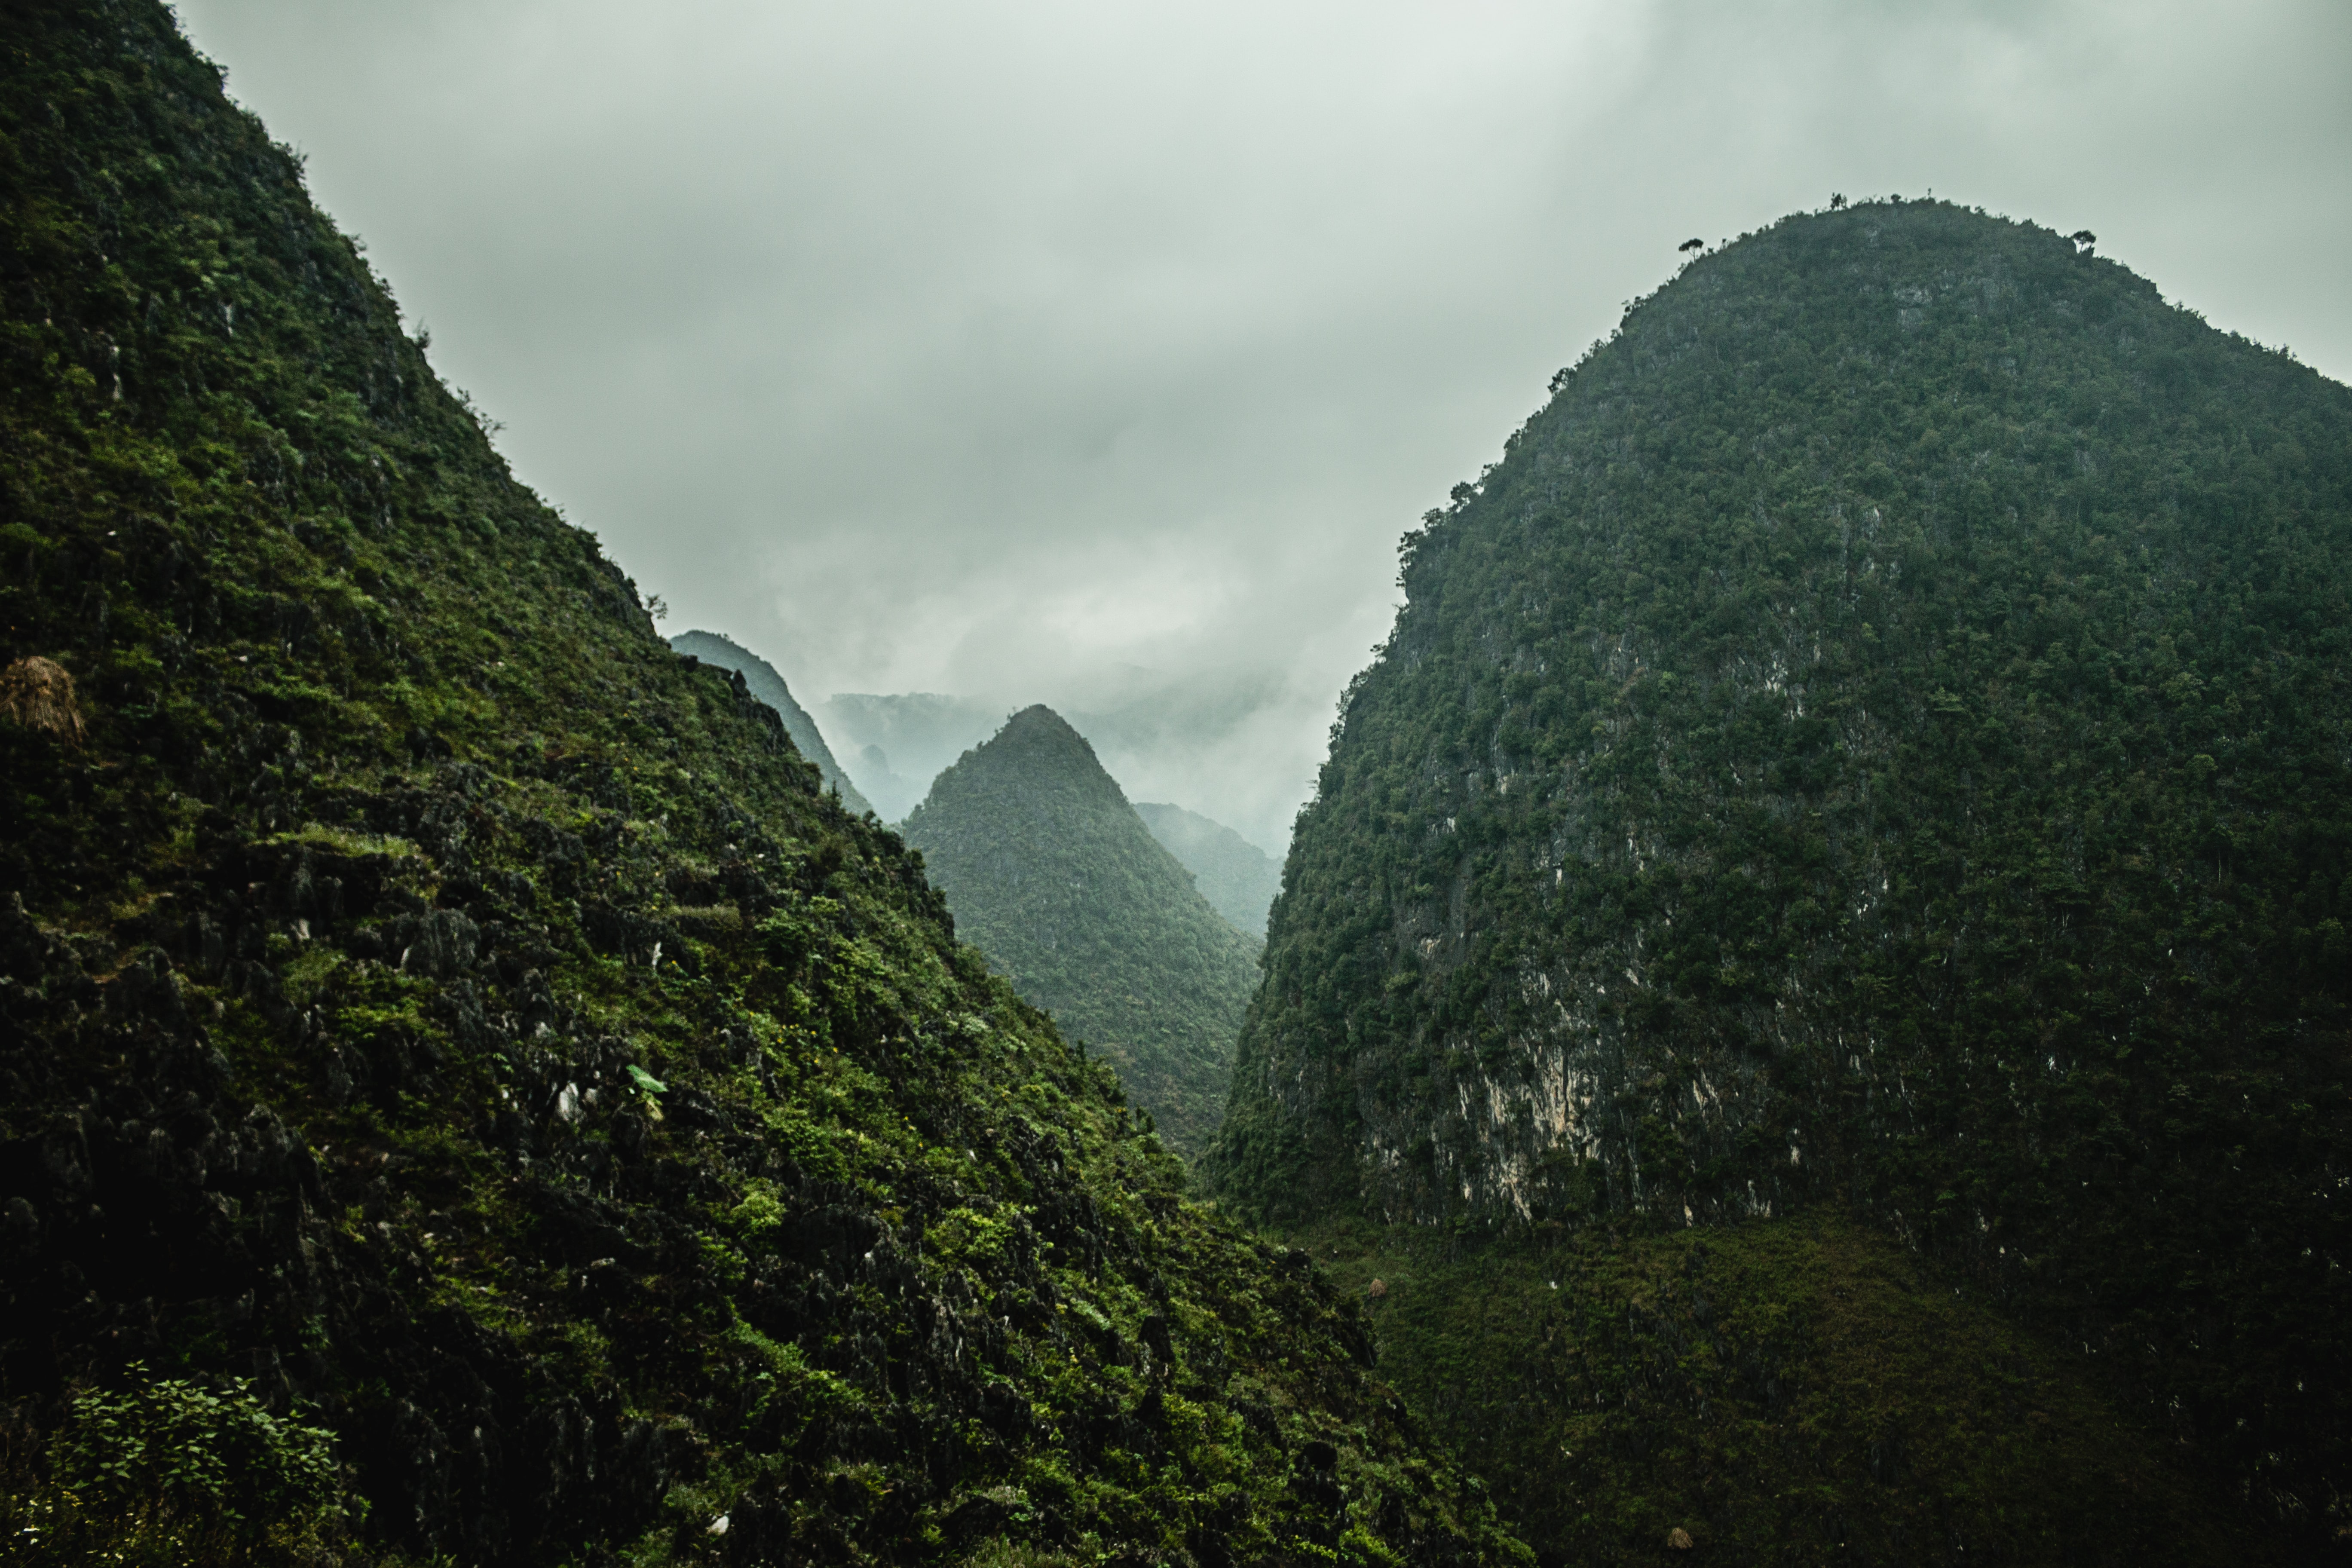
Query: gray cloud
pixel 999 349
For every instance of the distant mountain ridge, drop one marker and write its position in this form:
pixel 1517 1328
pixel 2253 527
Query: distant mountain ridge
pixel 1237 878
pixel 761 676
pixel 1052 874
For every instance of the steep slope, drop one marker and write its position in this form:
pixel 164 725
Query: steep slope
pixel 1237 878
pixel 1053 875
pixel 1881 738
pixel 432 999
pixel 759 677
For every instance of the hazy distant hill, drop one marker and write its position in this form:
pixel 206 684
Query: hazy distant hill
pixel 896 743
pixel 1051 873
pixel 711 647
pixel 1221 739
pixel 1237 878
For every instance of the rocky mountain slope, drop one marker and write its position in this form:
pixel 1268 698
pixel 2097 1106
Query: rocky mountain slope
pixel 1237 878
pixel 1052 874
pixel 434 1001
pixel 759 677
pixel 1880 743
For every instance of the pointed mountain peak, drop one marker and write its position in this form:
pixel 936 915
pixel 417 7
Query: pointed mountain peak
pixel 1039 719
pixel 1052 874
pixel 1038 747
pixel 1039 726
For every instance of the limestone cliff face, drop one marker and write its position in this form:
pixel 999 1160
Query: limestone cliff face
pixel 1879 734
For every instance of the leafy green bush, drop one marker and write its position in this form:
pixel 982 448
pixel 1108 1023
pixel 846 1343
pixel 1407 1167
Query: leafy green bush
pixel 206 1452
pixel 164 1470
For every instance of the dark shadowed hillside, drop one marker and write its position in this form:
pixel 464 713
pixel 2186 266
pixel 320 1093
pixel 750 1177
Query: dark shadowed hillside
pixel 1052 874
pixel 1237 878
pixel 466 1088
pixel 1878 745
pixel 759 677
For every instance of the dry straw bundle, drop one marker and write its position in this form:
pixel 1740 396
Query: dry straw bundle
pixel 39 693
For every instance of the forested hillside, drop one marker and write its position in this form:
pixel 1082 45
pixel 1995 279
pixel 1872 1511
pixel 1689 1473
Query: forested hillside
pixel 1052 874
pixel 759 677
pixel 1237 878
pixel 467 1093
pixel 1878 744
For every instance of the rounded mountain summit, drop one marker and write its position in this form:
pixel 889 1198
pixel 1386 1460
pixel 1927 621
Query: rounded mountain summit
pixel 1051 874
pixel 1877 750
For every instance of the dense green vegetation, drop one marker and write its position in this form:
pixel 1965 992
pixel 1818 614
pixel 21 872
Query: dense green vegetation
pixel 1879 741
pixel 1237 878
pixel 1052 875
pixel 435 1002
pixel 1788 1391
pixel 759 677
pixel 165 1471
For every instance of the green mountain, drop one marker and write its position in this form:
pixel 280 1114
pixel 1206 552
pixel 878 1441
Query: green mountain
pixel 759 679
pixel 1875 752
pixel 1237 878
pixel 1053 875
pixel 460 1060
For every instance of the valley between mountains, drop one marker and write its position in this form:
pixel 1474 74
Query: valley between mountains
pixel 1809 1016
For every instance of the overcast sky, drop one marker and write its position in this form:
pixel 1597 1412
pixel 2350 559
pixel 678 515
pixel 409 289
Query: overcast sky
pixel 1047 351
